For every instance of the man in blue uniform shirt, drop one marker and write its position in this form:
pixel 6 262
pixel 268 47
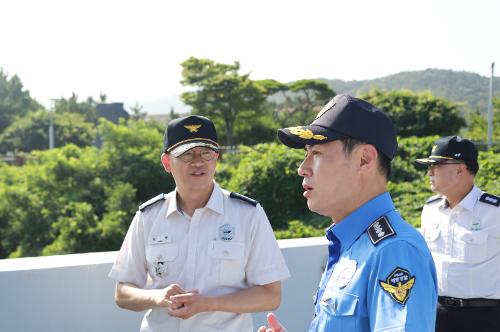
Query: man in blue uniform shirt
pixel 380 275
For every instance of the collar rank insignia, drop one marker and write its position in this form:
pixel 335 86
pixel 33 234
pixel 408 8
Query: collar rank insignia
pixel 192 128
pixel 226 232
pixel 490 199
pixel 380 230
pixel 398 285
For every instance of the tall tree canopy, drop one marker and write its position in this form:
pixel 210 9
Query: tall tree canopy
pixel 30 132
pixel 418 114
pixel 86 108
pixel 14 101
pixel 298 102
pixel 220 92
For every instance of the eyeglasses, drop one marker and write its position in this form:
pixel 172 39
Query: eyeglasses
pixel 432 166
pixel 190 155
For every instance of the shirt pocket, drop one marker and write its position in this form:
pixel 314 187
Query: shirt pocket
pixel 160 258
pixel 227 262
pixel 471 245
pixel 340 311
pixel 432 234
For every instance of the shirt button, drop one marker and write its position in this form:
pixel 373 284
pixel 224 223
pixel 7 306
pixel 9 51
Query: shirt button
pixel 160 257
pixel 226 252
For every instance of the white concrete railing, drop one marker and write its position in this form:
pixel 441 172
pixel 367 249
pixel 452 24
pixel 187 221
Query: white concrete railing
pixel 73 292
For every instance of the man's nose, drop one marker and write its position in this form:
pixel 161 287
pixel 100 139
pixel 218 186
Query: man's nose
pixel 304 170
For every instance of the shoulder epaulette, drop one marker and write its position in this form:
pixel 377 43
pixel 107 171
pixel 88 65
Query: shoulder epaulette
pixel 490 199
pixel 380 230
pixel 150 202
pixel 243 198
pixel 433 199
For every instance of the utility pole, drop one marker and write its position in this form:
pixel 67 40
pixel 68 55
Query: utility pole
pixel 490 109
pixel 51 123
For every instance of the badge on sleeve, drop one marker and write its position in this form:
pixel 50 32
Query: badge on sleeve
pixel 398 285
pixel 226 232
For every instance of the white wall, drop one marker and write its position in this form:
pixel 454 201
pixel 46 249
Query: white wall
pixel 73 293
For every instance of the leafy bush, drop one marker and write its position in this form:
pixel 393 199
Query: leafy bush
pixel 268 173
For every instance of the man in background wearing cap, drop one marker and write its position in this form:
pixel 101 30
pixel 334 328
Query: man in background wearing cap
pixel 462 228
pixel 380 275
pixel 210 255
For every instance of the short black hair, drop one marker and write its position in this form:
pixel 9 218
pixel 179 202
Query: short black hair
pixel 472 166
pixel 384 163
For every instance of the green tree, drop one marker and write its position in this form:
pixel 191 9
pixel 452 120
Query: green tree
pixel 31 132
pixel 137 112
pixel 418 114
pixel 220 93
pixel 73 199
pixel 478 124
pixel 15 102
pixel 85 108
pixel 296 103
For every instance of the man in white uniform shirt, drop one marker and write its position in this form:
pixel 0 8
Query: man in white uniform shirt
pixel 461 226
pixel 199 258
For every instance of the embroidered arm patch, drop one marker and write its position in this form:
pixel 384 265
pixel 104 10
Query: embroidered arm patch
pixel 398 285
pixel 380 230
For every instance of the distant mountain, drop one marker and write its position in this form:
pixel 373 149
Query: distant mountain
pixel 458 86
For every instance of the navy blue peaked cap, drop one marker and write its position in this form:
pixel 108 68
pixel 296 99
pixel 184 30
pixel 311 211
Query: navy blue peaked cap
pixel 185 133
pixel 345 116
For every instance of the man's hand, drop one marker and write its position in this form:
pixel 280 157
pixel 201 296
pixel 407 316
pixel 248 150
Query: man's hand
pixel 188 304
pixel 163 297
pixel 274 324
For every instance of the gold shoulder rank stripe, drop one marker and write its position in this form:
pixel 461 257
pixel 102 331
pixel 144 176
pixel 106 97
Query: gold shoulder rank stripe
pixel 305 133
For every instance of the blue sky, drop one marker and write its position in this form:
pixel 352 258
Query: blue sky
pixel 131 50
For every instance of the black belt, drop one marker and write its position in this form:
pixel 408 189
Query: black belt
pixel 465 303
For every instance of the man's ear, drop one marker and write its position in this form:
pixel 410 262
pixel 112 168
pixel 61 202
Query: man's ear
pixel 369 156
pixel 165 161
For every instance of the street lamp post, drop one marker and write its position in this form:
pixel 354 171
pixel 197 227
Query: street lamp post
pixel 51 123
pixel 490 109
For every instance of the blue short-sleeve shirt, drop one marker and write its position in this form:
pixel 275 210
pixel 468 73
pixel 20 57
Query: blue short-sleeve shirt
pixel 380 275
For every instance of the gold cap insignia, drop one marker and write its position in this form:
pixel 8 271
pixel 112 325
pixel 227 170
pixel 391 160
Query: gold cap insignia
pixel 398 285
pixel 434 148
pixel 192 128
pixel 305 133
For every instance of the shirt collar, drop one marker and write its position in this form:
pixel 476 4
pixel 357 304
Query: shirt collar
pixel 471 198
pixel 172 204
pixel 352 226
pixel 215 202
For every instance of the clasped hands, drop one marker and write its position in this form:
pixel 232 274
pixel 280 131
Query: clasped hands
pixel 182 303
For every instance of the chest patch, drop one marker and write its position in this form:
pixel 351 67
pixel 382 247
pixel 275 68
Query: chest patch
pixel 398 285
pixel 380 230
pixel 346 272
pixel 226 232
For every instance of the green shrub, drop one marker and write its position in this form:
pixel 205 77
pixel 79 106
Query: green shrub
pixel 268 173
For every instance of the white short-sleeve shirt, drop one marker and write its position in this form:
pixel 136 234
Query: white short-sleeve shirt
pixel 465 244
pixel 224 247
